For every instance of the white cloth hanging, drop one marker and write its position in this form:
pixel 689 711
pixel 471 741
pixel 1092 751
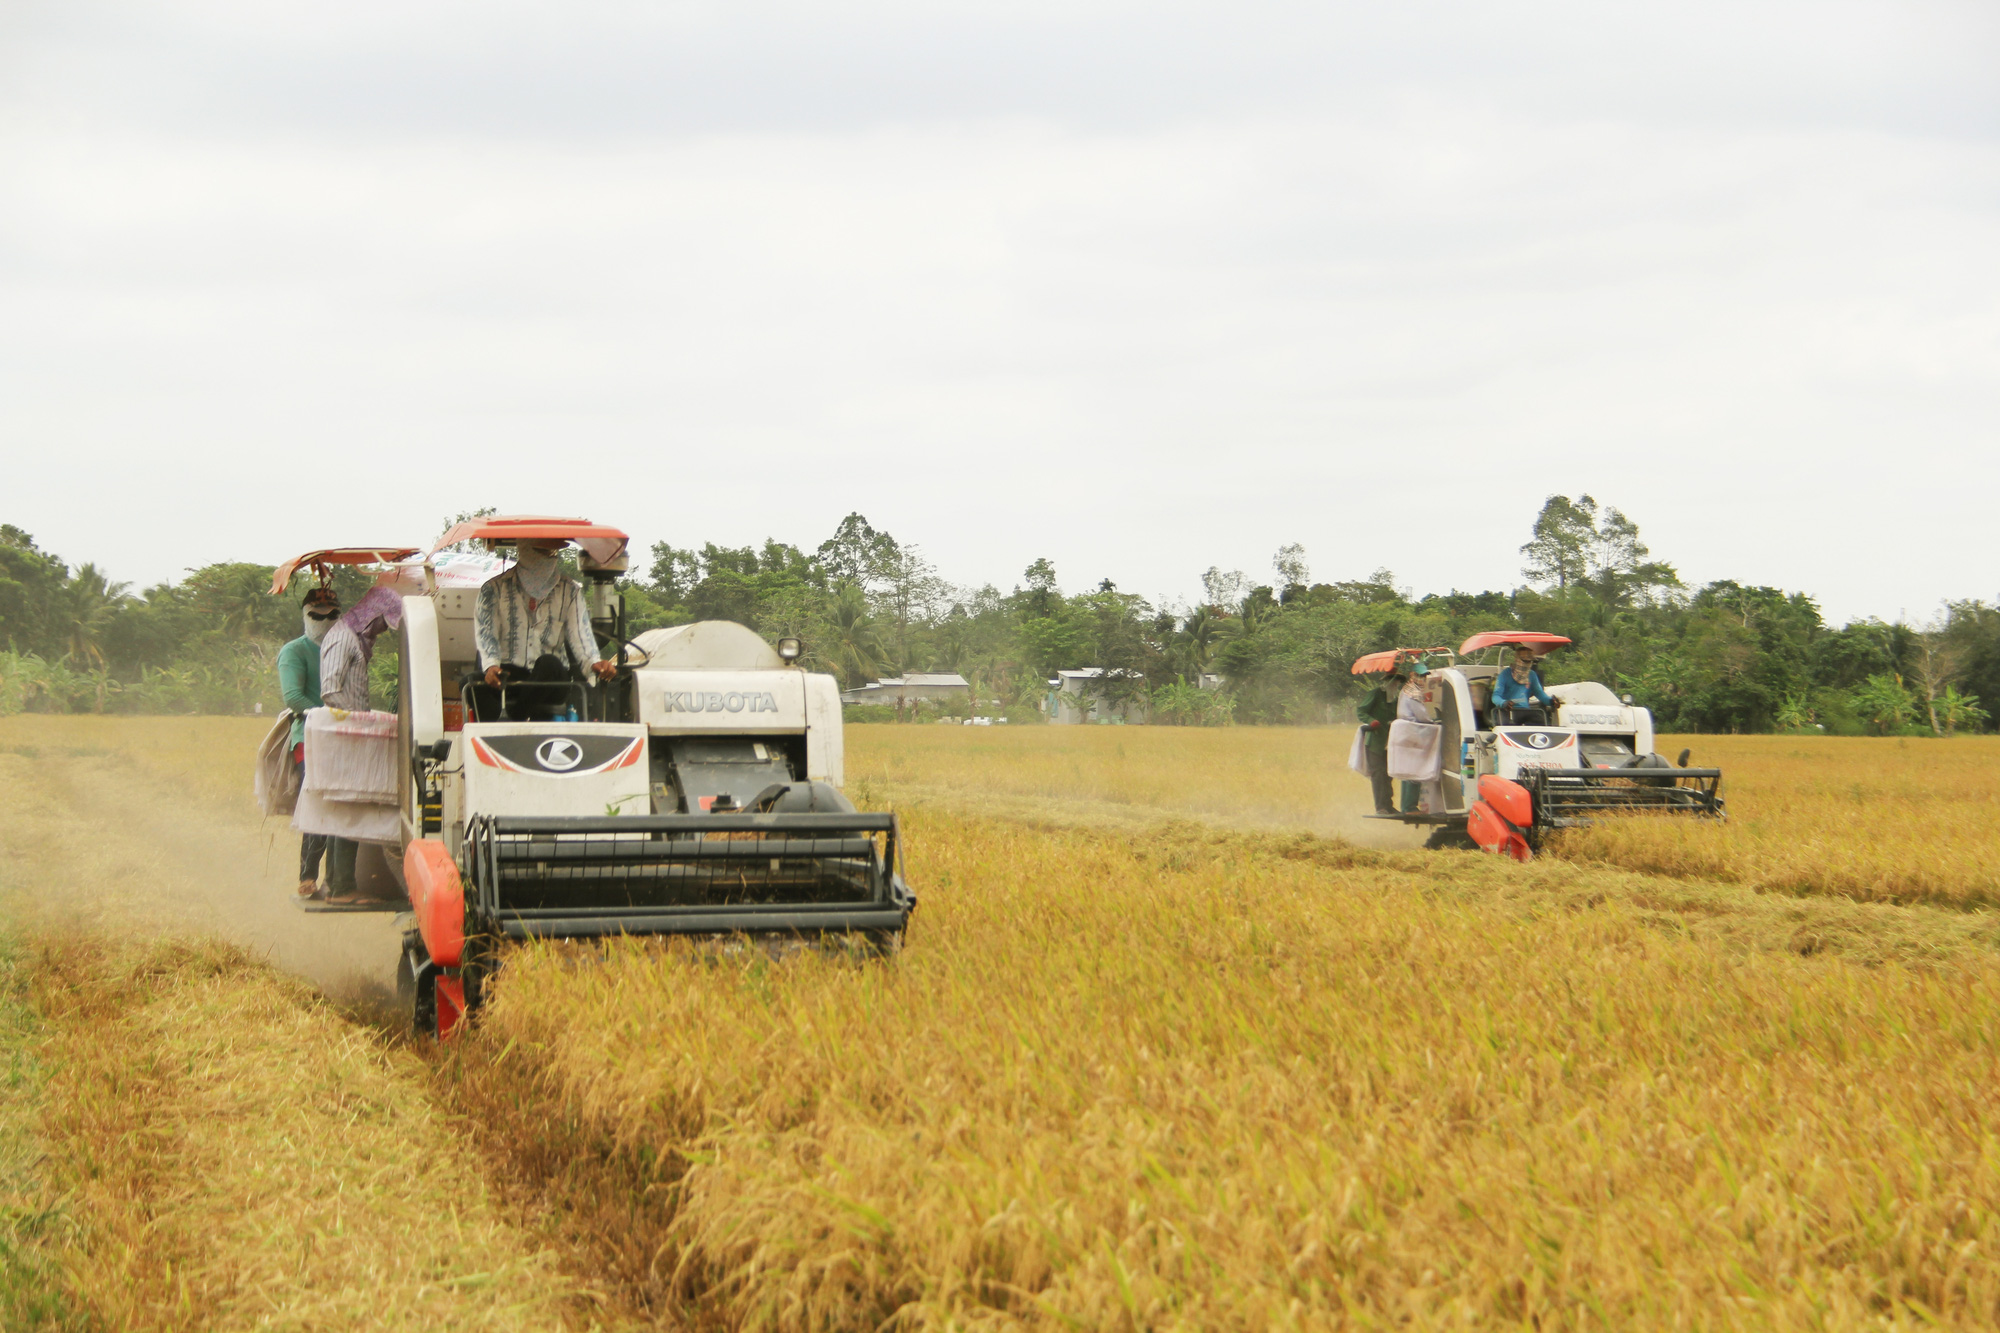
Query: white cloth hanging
pixel 357 821
pixel 351 756
pixel 1415 750
pixel 1357 756
pixel 350 780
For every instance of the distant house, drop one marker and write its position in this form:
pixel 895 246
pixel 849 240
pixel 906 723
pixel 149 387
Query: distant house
pixel 917 687
pixel 1078 696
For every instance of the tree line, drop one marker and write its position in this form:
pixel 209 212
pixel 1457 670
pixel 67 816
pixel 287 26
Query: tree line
pixel 1724 656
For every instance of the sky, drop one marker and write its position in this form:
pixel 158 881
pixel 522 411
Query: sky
pixel 1141 288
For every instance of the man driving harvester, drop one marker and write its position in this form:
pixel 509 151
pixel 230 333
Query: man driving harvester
pixel 1518 689
pixel 533 629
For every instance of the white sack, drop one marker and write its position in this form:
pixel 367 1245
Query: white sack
pixel 276 782
pixel 1357 757
pixel 1415 751
pixel 351 756
pixel 358 821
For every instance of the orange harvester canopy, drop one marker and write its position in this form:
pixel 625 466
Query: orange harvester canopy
pixel 600 541
pixel 317 561
pixel 1541 643
pixel 1387 659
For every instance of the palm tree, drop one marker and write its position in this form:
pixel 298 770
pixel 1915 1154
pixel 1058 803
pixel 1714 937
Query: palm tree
pixel 84 610
pixel 857 648
pixel 1204 631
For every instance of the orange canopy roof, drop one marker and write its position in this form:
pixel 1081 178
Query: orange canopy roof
pixel 529 527
pixel 1542 643
pixel 317 561
pixel 1387 660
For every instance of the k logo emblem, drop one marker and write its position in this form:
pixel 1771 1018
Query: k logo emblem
pixel 1541 740
pixel 558 754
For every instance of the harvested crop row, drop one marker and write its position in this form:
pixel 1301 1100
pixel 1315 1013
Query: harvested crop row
pixel 225 1151
pixel 1200 1080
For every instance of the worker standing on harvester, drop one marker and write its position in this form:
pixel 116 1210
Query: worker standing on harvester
pixel 298 682
pixel 1423 794
pixel 343 674
pixel 1520 685
pixel 1376 712
pixel 532 626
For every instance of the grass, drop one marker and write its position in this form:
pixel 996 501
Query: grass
pixel 31 1291
pixel 1155 1058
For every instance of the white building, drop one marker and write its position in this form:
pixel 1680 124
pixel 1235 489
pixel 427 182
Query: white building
pixel 940 688
pixel 1078 696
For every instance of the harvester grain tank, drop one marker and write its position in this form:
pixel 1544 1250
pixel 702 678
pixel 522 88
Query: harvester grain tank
pixel 696 792
pixel 1509 776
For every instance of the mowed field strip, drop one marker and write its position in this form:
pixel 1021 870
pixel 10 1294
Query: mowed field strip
pixel 1153 1059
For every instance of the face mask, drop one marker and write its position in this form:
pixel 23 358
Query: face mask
pixel 316 629
pixel 538 571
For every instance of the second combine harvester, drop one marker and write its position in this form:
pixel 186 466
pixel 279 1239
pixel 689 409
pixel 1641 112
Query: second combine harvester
pixel 1507 777
pixel 696 792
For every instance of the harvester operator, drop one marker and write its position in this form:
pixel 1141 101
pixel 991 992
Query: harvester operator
pixel 1520 685
pixel 298 682
pixel 1376 712
pixel 532 625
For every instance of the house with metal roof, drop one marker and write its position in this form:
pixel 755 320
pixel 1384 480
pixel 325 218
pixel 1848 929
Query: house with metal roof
pixel 941 688
pixel 1079 696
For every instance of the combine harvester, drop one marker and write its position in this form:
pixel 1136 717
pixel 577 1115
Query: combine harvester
pixel 1507 780
pixel 696 792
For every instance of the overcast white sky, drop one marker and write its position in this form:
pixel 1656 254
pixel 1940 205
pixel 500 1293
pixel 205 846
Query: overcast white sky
pixel 1142 288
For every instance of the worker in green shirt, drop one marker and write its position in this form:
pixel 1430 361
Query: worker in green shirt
pixel 298 681
pixel 1376 712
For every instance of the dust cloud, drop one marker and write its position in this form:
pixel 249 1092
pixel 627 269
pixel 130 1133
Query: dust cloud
pixel 95 842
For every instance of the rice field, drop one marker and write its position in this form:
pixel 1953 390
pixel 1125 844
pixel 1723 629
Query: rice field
pixel 1889 820
pixel 1161 1053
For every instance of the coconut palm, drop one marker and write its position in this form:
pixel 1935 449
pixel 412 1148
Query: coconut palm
pixel 856 651
pixel 84 610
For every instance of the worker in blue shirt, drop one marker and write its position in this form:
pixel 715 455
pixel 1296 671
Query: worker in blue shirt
pixel 1520 685
pixel 298 681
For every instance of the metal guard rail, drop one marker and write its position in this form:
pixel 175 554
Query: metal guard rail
pixel 554 877
pixel 1566 797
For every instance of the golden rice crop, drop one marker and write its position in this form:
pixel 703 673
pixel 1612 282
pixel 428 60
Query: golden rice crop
pixel 192 1139
pixel 1131 1072
pixel 1284 777
pixel 1891 820
pixel 1199 1080
pixel 225 1152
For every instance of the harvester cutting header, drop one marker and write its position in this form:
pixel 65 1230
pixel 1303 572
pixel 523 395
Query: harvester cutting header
pixel 555 779
pixel 1499 759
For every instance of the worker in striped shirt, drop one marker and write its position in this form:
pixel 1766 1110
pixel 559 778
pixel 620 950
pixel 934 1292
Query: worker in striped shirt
pixel 532 626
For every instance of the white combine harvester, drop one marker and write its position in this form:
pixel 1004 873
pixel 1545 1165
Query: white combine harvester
pixel 694 793
pixel 1505 780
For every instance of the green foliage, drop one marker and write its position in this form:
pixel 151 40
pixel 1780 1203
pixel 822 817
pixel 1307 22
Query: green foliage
pixel 1884 704
pixel 1957 711
pixel 1725 657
